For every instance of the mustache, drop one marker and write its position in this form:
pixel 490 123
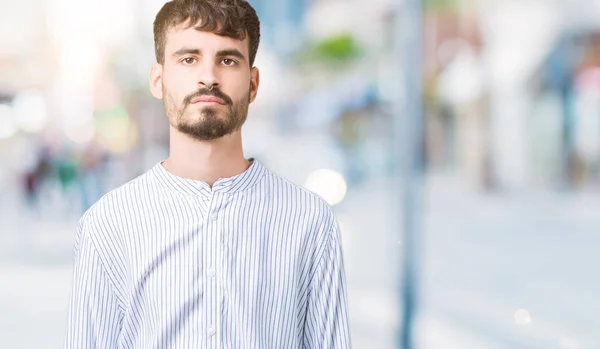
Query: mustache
pixel 215 92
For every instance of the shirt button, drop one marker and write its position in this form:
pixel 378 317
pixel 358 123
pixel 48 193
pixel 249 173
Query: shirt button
pixel 211 331
pixel 214 217
pixel 211 272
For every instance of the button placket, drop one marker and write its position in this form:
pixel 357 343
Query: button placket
pixel 211 270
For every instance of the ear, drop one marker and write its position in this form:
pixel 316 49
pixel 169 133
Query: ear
pixel 155 80
pixel 254 81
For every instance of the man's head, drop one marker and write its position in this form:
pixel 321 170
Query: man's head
pixel 205 51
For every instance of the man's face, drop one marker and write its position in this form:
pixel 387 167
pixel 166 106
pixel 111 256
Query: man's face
pixel 206 83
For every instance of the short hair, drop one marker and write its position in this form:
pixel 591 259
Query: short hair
pixel 231 18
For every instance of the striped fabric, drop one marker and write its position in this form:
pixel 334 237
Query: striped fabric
pixel 168 262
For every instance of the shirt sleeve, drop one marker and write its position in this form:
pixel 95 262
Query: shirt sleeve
pixel 94 315
pixel 327 324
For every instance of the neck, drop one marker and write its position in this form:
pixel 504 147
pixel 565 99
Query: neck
pixel 205 160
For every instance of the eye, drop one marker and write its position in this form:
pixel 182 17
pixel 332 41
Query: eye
pixel 188 60
pixel 228 62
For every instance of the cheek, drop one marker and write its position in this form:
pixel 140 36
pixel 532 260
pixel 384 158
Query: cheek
pixel 171 98
pixel 178 83
pixel 240 87
pixel 173 93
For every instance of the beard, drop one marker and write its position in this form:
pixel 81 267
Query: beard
pixel 208 123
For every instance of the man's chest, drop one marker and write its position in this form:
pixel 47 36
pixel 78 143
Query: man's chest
pixel 206 257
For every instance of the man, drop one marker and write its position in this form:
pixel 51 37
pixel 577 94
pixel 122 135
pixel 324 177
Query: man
pixel 208 249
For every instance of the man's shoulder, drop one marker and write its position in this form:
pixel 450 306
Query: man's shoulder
pixel 287 192
pixel 120 198
pixel 307 213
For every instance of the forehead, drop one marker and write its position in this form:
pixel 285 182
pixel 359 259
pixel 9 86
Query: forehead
pixel 181 36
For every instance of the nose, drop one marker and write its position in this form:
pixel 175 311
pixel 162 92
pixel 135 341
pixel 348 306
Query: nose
pixel 208 78
pixel 208 84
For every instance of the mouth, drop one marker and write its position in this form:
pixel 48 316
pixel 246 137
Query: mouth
pixel 208 100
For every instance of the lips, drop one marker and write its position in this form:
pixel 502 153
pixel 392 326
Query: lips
pixel 207 99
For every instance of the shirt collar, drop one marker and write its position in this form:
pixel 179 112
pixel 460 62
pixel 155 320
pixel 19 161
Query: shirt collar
pixel 186 186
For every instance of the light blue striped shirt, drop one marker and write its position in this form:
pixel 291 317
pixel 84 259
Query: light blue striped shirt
pixel 167 262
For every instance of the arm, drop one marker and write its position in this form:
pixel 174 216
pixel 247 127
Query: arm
pixel 327 325
pixel 94 314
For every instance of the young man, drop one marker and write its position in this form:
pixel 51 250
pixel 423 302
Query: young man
pixel 208 249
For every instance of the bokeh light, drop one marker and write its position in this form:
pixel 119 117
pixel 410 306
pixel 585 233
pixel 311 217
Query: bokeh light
pixel 115 130
pixel 30 110
pixel 522 317
pixel 8 125
pixel 81 133
pixel 328 184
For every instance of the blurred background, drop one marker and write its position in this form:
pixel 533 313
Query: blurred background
pixel 505 234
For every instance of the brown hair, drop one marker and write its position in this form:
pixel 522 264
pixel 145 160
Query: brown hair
pixel 231 18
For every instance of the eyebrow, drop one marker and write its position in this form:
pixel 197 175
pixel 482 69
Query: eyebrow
pixel 185 51
pixel 231 52
pixel 228 52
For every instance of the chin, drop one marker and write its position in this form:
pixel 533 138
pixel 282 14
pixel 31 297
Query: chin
pixel 208 113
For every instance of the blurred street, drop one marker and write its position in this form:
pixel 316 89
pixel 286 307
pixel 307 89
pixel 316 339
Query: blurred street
pixel 504 132
pixel 481 263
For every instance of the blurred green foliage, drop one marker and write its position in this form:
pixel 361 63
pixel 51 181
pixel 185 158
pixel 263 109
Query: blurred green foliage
pixel 448 5
pixel 338 48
